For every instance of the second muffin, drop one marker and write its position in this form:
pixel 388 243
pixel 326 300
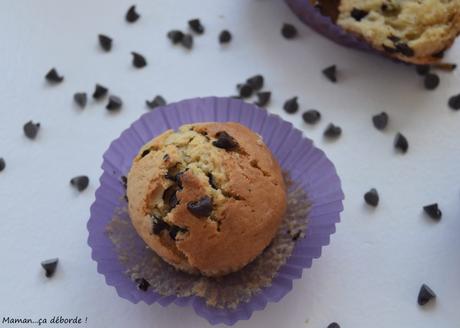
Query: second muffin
pixel 208 198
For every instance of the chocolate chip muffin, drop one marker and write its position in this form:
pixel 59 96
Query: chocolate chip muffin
pixel 207 198
pixel 413 31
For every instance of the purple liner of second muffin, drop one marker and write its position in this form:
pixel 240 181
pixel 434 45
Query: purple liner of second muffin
pixel 307 165
pixel 325 26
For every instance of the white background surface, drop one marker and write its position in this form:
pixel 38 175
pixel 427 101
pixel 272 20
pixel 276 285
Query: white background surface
pixel 370 274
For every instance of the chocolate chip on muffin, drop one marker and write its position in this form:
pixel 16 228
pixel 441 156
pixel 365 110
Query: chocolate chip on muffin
pixel 201 207
pixel 225 141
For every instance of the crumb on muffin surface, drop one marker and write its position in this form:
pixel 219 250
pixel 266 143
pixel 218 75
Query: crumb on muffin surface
pixel 207 198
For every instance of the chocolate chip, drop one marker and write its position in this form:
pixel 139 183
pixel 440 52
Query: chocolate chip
pixel 431 81
pixel 405 50
pixel 333 325
pixel 389 50
pixel 245 90
pixel 53 76
pixel 156 102
pixel 330 73
pixel 31 129
pixel 158 225
pixel 50 266
pixel 380 121
pixel 2 164
pixel 425 295
pixel 174 230
pixel 401 143
pixel 256 82
pixel 311 116
pixel 145 153
pixel 132 15
pixel 296 235
pixel 454 102
pixel 288 31
pixel 81 99
pixel 291 105
pixel 114 103
pixel 142 284
pixel 124 181
pixel 138 60
pixel 372 197
pixel 175 176
pixel 225 37
pixel 187 41
pixel 175 36
pixel 169 196
pixel 105 42
pixel 80 182
pixel 263 98
pixel 100 92
pixel 212 181
pixel 201 207
pixel 358 14
pixel 225 141
pixel 196 26
pixel 394 38
pixel 422 69
pixel 332 131
pixel 433 211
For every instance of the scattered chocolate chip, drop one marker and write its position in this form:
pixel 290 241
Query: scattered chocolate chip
pixel 114 103
pixel 80 182
pixel 372 197
pixel 196 26
pixel 105 42
pixel 263 98
pixel 142 284
pixel 169 196
pixel 201 207
pixel 256 82
pixel 138 60
pixel 401 143
pixel 296 235
pixel 100 92
pixel 80 99
pixel 132 15
pixel 380 121
pixel 124 181
pixel 332 131
pixel 425 295
pixel 245 90
pixel 358 14
pixel 431 81
pixel 174 230
pixel 405 50
pixel 311 116
pixel 53 76
pixel 31 129
pixel 288 31
pixel 291 105
pixel 156 102
pixel 145 153
pixel 433 211
pixel 212 181
pixel 330 73
pixel 333 325
pixel 225 37
pixel 50 266
pixel 187 41
pixel 454 102
pixel 175 176
pixel 225 141
pixel 422 69
pixel 175 36
pixel 2 164
pixel 158 225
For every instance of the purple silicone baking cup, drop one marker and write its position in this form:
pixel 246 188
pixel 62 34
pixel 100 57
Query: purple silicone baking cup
pixel 307 165
pixel 325 26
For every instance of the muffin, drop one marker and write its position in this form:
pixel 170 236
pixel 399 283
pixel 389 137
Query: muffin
pixel 207 198
pixel 413 31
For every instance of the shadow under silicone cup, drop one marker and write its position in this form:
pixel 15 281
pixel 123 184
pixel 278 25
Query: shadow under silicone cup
pixel 306 165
